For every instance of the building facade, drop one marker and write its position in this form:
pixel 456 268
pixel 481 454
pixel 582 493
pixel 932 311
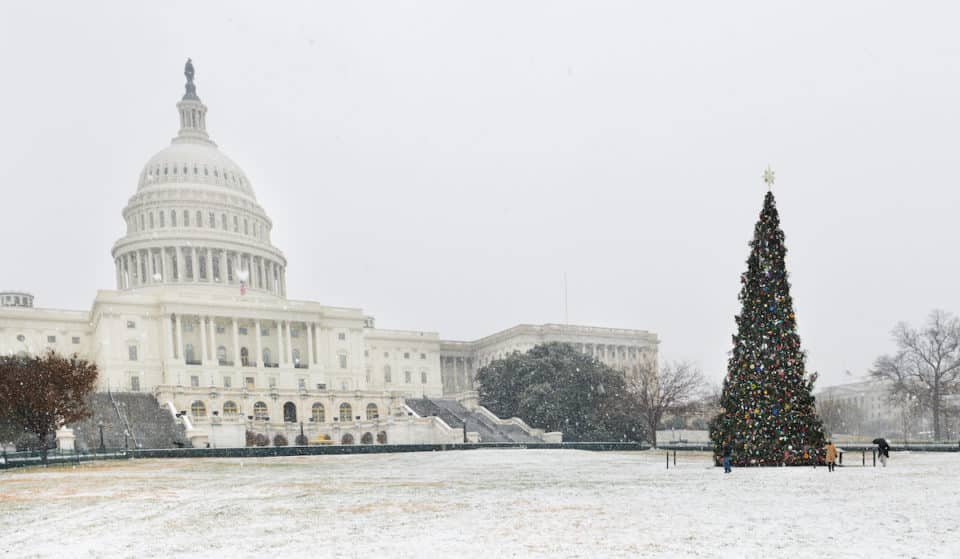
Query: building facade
pixel 200 318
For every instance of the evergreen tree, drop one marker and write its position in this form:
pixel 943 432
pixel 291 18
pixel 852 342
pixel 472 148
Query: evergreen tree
pixel 767 414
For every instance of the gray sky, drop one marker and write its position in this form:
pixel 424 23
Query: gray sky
pixel 442 164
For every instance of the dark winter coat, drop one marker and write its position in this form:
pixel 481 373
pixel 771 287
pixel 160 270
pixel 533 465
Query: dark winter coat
pixel 727 452
pixel 884 449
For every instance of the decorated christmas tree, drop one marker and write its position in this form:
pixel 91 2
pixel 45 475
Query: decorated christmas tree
pixel 767 415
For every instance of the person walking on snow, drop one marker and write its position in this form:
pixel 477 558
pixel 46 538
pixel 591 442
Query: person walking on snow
pixel 831 457
pixel 727 453
pixel 883 450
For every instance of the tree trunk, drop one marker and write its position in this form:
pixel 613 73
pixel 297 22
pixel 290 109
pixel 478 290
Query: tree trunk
pixel 43 448
pixel 935 404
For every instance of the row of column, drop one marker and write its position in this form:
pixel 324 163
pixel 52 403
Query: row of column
pixel 199 265
pixel 206 326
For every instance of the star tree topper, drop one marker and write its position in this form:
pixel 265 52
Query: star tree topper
pixel 768 177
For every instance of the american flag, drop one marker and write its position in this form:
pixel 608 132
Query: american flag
pixel 243 288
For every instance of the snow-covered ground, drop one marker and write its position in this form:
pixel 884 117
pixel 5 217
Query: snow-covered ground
pixel 481 503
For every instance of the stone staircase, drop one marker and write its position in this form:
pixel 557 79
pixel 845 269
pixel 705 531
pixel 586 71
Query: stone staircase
pixel 133 416
pixel 454 414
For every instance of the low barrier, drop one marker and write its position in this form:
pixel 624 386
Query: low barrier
pixel 21 459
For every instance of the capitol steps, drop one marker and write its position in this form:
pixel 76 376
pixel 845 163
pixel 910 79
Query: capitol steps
pixel 455 414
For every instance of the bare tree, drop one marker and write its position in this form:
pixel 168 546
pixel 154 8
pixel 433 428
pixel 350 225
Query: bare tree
pixel 673 389
pixel 927 363
pixel 41 393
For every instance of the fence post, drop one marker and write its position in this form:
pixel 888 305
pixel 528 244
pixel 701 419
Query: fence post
pixel 864 453
pixel 841 459
pixel 674 457
pixel 668 459
pixel 874 458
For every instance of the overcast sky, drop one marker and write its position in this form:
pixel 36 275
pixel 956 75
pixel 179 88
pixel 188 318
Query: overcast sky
pixel 443 164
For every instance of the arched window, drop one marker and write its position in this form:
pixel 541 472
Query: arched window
pixel 296 356
pixel 407 377
pixel 173 218
pixel 372 412
pixel 186 218
pixel 222 355
pixel 260 411
pixel 151 220
pixel 347 439
pixel 229 409
pixel 386 374
pixel 188 352
pixel 266 355
pixel 318 413
pixel 382 437
pixel 244 356
pixel 346 412
pixel 223 221
pixel 367 438
pixel 290 412
pixel 163 216
pixel 198 409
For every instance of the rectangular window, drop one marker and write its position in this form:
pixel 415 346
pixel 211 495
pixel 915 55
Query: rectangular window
pixel 423 377
pixel 223 221
pixel 131 324
pixel 163 216
pixel 186 218
pixel 75 339
pixel 236 225
pixel 407 377
pixel 194 381
pixel 264 331
pixel 221 329
pixel 188 327
pixel 342 336
pixel 246 227
pixel 423 356
pixel 343 360
pixel 294 332
pixel 366 353
pixel 242 330
pixel 134 384
pixel 302 383
pixel 273 382
pixel 132 352
pixel 212 219
pixel 386 355
pixel 249 383
pixel 51 339
pixel 227 382
pixel 406 356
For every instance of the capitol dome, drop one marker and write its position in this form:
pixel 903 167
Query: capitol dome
pixel 195 219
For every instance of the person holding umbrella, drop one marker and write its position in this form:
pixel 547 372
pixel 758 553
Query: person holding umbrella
pixel 883 450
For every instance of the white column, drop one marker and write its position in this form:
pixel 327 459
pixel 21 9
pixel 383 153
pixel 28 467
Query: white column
pixel 167 322
pixel 193 261
pixel 280 351
pixel 308 334
pixel 236 343
pixel 316 343
pixel 163 264
pixel 259 357
pixel 223 267
pixel 213 339
pixel 117 265
pixel 283 281
pixel 289 347
pixel 203 338
pixel 209 258
pixel 179 345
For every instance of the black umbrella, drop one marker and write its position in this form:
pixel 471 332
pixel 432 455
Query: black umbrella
pixel 879 440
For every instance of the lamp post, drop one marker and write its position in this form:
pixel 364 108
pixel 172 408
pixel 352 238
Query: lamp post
pixel 101 448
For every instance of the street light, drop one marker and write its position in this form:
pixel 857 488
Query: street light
pixel 102 448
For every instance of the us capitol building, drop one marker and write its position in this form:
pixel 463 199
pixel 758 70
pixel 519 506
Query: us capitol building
pixel 200 319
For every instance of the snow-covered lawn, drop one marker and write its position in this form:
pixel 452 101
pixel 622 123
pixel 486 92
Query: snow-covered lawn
pixel 481 503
